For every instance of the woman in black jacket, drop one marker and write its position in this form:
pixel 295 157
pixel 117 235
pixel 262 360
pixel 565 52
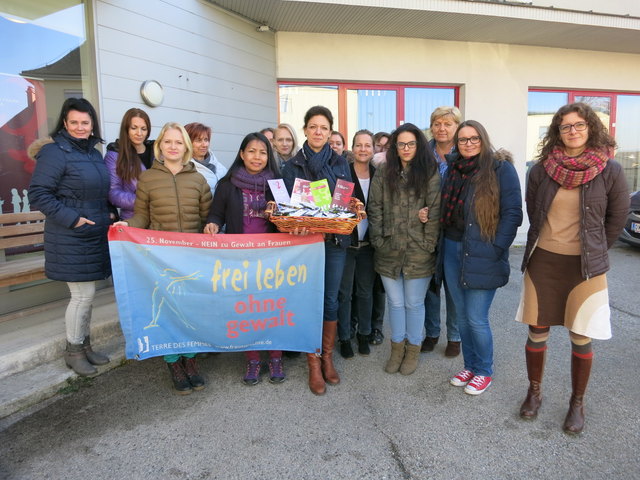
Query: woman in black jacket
pixel 70 185
pixel 358 267
pixel 239 204
pixel 316 161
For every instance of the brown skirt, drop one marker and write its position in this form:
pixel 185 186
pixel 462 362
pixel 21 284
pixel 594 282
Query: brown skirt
pixel 554 293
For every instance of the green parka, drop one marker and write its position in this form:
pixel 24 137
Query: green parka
pixel 402 242
pixel 171 203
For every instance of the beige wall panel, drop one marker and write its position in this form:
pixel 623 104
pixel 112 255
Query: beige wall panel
pixel 494 78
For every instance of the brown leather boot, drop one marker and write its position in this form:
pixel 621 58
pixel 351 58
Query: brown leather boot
pixel 535 367
pixel 316 382
pixel 328 341
pixel 580 371
pixel 76 359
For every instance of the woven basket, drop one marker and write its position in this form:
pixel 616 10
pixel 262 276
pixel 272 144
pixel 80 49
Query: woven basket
pixel 341 226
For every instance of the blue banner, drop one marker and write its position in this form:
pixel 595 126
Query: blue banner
pixel 187 292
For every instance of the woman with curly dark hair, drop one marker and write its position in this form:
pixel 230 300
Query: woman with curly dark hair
pixel 404 207
pixel 577 202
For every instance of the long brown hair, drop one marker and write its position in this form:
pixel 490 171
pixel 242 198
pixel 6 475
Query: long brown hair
pixel 599 138
pixel 486 200
pixel 128 164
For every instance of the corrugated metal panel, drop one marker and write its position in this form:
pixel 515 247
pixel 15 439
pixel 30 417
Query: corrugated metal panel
pixel 214 68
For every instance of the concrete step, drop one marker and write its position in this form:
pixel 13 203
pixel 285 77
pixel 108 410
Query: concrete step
pixel 28 388
pixel 31 347
pixel 40 338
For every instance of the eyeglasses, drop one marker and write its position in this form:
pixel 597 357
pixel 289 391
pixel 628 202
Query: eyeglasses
pixel 474 140
pixel 409 145
pixel 580 126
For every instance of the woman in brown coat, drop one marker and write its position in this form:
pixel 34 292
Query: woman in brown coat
pixel 173 197
pixel 577 201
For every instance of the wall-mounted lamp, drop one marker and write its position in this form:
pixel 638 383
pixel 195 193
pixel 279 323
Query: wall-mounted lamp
pixel 152 93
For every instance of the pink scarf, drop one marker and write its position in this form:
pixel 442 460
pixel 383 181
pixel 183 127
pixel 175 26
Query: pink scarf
pixel 571 172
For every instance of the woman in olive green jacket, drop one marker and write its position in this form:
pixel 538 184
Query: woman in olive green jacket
pixel 404 213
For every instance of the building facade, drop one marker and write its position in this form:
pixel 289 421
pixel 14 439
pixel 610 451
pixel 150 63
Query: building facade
pixel 241 65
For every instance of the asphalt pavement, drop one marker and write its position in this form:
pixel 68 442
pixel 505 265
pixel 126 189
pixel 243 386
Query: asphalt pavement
pixel 127 423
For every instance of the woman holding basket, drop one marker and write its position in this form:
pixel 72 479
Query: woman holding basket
pixel 316 161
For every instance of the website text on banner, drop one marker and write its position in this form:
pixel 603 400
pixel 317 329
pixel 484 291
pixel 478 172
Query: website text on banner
pixel 182 293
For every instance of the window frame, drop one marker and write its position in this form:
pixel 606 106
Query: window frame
pixel 399 88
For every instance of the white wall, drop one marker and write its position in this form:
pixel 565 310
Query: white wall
pixel 215 68
pixel 494 78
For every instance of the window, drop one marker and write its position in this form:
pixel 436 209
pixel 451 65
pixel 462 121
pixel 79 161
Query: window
pixel 43 49
pixel 620 113
pixel 376 107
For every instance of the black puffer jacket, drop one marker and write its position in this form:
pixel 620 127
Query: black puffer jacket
pixel 71 181
pixel 604 206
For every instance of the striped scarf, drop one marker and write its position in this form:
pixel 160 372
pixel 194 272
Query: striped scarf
pixel 571 172
pixel 454 191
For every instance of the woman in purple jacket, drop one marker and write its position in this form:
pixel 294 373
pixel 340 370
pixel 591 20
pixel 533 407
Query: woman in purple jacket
pixel 127 157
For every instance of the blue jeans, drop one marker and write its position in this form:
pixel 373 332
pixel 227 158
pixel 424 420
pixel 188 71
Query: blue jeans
pixel 472 313
pixel 432 315
pixel 406 307
pixel 334 258
pixel 358 273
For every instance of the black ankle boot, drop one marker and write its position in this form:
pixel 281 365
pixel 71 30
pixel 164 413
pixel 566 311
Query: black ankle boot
pixel 191 370
pixel 363 345
pixel 346 351
pixel 179 377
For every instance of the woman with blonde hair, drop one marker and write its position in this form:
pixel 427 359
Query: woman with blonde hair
pixel 577 202
pixel 443 126
pixel 285 143
pixel 172 196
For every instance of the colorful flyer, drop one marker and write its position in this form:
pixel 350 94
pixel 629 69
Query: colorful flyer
pixel 279 190
pixel 321 193
pixel 342 194
pixel 301 192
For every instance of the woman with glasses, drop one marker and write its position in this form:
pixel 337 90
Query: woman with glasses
pixel 481 213
pixel 285 143
pixel 316 161
pixel 577 202
pixel 404 207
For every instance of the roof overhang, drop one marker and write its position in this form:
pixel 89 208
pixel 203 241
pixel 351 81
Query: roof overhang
pixel 514 23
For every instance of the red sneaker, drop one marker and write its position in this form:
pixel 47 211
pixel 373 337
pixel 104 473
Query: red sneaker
pixel 477 385
pixel 461 378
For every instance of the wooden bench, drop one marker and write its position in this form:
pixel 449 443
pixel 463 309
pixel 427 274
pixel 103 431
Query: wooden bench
pixel 21 230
